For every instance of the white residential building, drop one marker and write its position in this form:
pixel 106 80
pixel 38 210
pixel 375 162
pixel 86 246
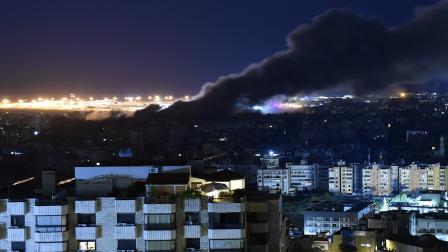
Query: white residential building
pixel 302 176
pixel 340 179
pixel 273 179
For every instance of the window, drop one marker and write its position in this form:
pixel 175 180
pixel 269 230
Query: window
pixel 225 220
pixel 159 221
pixel 51 223
pixel 126 244
pixel 227 244
pixel 86 219
pixel 18 220
pixel 193 243
pixel 18 246
pixel 86 245
pixel 160 245
pixel 126 219
pixel 192 219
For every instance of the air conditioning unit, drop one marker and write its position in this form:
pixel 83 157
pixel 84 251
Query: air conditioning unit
pixel 189 223
pixel 82 225
pixel 191 250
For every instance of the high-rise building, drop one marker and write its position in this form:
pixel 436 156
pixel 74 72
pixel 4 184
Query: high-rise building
pixel 435 176
pixel 273 179
pixel 302 176
pixel 379 180
pixel 340 178
pixel 411 179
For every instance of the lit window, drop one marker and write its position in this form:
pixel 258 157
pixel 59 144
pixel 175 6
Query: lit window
pixel 87 245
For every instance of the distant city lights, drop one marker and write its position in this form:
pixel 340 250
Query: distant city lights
pixel 89 103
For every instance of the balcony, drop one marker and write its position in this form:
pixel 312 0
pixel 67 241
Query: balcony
pixel 125 232
pixel 85 206
pixel 51 236
pixel 192 231
pixel 125 206
pixel 17 234
pixel 16 207
pixel 226 233
pixel 85 232
pixel 54 246
pixel 192 205
pixel 159 235
pixel 50 207
pixel 159 206
pixel 226 207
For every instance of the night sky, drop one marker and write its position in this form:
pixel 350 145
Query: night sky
pixel 148 47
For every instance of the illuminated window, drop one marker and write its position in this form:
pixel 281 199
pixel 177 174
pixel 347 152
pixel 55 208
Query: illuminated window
pixel 87 245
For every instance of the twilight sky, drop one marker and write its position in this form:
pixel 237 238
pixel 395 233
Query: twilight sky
pixel 151 46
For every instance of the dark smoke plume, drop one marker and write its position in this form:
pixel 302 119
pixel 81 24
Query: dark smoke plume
pixel 339 48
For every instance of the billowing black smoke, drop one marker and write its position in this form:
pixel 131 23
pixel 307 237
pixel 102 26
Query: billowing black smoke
pixel 338 48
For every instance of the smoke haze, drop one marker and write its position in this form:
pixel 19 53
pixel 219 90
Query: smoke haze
pixel 339 48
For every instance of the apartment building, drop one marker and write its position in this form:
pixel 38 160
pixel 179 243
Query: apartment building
pixel 412 178
pixel 329 217
pixel 380 180
pixel 340 179
pixel 436 177
pixel 162 213
pixel 302 176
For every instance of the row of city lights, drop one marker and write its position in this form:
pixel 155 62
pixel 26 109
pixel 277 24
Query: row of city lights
pixel 72 102
pixel 91 98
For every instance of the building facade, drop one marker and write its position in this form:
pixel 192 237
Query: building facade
pixel 329 217
pixel 340 179
pixel 168 216
pixel 302 176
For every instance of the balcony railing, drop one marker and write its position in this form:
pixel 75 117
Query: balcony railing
pixel 16 207
pixel 51 236
pixel 125 232
pixel 17 234
pixel 85 232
